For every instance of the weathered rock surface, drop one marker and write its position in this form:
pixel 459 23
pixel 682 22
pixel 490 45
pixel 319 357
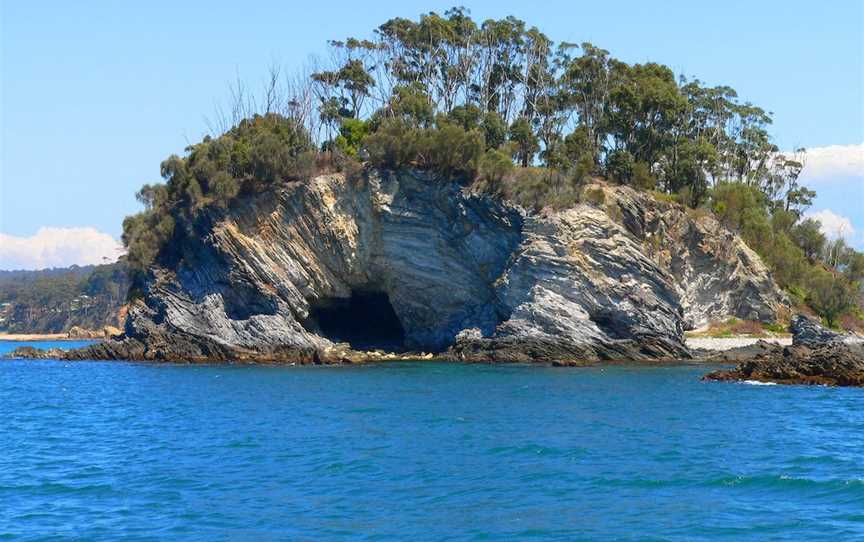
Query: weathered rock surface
pixel 580 289
pixel 817 356
pixel 714 272
pixel 833 364
pixel 106 332
pixel 808 332
pixel 30 352
pixel 466 277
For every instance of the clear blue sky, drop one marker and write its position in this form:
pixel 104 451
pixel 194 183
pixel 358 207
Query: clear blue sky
pixel 96 94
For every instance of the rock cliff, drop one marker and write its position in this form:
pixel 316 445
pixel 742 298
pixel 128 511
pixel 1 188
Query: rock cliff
pixel 334 269
pixel 714 272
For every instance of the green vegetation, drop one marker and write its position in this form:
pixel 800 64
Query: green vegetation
pixel 825 275
pixel 54 300
pixel 734 327
pixel 497 105
pixel 259 152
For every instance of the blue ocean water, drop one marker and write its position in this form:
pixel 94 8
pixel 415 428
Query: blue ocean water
pixel 422 451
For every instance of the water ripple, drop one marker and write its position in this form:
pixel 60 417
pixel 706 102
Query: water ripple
pixel 103 451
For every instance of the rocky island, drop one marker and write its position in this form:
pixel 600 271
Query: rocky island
pixel 332 271
pixel 533 206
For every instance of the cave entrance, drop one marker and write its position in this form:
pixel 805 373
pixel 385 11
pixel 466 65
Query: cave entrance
pixel 365 320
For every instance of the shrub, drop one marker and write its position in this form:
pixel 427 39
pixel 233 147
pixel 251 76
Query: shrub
pixel 329 161
pixel 467 116
pixel 594 196
pixel 452 151
pixel 737 205
pixel 526 143
pixel 351 135
pixel 829 296
pixel 641 177
pixel 535 188
pixel 251 156
pixel 495 166
pixel 448 148
pixel 808 235
pixel 584 167
pixel 410 104
pixel 619 166
pixel 494 130
pixel 395 144
pixel 223 187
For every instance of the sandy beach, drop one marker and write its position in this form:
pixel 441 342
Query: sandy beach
pixel 36 337
pixel 727 343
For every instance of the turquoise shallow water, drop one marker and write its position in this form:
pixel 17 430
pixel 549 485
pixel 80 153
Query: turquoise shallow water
pixel 419 451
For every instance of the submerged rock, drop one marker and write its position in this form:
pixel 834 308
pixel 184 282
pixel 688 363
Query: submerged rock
pixel 30 352
pixel 332 270
pixel 817 356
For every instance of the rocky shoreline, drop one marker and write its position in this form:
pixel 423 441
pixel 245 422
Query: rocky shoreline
pixel 817 356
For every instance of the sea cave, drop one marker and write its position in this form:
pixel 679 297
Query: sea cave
pixel 365 320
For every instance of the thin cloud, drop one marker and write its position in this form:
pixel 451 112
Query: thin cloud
pixel 834 162
pixel 833 225
pixel 58 247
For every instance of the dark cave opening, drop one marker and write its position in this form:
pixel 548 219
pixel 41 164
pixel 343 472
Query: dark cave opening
pixel 365 320
pixel 612 326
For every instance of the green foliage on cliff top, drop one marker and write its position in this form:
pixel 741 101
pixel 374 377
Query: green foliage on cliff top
pixel 255 155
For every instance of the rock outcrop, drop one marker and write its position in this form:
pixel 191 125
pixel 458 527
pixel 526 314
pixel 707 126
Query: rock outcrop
pixel 817 356
pixel 334 270
pixel 808 332
pixel 834 364
pixel 106 332
pixel 714 272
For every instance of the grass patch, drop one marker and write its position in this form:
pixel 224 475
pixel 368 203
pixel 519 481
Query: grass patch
pixel 735 327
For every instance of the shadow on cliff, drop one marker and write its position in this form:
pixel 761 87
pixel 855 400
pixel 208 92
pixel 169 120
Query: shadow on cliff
pixel 365 320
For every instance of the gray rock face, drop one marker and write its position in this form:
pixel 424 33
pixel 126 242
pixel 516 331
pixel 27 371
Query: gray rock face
pixel 580 289
pixel 286 277
pixel 714 272
pixel 809 332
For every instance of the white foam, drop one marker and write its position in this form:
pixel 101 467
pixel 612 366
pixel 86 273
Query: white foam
pixel 758 383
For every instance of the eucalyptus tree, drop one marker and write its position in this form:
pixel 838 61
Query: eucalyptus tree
pixel 588 80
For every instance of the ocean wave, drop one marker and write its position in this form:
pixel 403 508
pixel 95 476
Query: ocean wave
pixel 783 481
pixel 763 482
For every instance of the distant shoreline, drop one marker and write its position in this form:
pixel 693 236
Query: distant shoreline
pixel 705 343
pixel 39 337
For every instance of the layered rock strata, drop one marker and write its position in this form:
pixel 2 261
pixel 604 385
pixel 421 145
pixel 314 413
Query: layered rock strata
pixel 337 270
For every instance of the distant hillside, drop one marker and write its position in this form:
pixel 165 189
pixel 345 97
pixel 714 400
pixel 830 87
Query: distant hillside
pixel 54 300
